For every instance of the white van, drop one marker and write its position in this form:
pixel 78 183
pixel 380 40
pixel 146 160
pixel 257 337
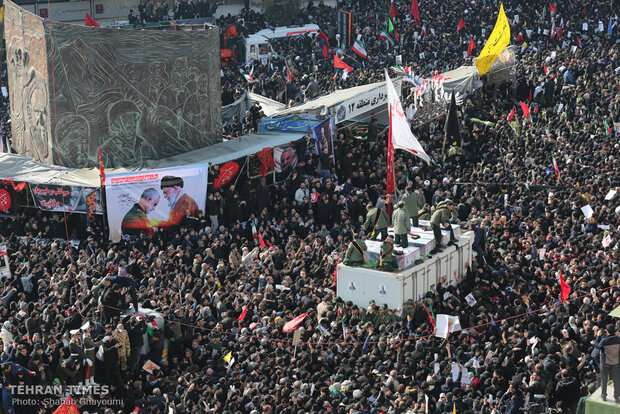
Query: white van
pixel 257 45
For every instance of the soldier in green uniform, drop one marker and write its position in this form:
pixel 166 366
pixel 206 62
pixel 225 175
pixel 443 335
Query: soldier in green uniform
pixel 402 224
pixel 441 215
pixel 355 253
pixel 377 221
pixel 387 260
pixel 413 203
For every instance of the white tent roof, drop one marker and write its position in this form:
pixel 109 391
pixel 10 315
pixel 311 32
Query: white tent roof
pixel 462 79
pixel 327 104
pixel 22 168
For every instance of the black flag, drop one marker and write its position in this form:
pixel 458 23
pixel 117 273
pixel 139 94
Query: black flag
pixel 451 127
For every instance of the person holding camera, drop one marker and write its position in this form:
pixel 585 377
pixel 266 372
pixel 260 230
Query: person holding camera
pixel 610 360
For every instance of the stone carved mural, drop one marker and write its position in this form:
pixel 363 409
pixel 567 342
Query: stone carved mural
pixel 136 94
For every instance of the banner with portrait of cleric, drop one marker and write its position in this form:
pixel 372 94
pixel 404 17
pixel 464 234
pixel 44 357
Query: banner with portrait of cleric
pixel 323 138
pixel 142 202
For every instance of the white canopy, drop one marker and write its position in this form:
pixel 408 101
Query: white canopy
pixel 346 104
pixel 21 168
pixel 462 80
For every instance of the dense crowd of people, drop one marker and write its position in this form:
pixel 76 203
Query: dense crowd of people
pixel 225 299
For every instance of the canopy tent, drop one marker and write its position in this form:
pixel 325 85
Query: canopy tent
pixel 24 169
pixel 347 104
pixel 462 80
pixel 244 103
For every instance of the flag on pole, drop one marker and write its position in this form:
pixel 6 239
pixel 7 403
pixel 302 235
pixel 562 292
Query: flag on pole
pixel 471 47
pixel 552 8
pixel 90 22
pixel 451 127
pixel 555 167
pixel 261 241
pixel 584 10
pixel 525 109
pixel 244 313
pixel 400 133
pixel 545 68
pixel 424 31
pixel 430 318
pixel 247 77
pixel 385 36
pixel 340 64
pixel 294 324
pixel 578 41
pixel 289 75
pixel 511 116
pixel 609 27
pixel 393 10
pixel 461 25
pixel 228 357
pixel 607 128
pixel 360 48
pixel 323 37
pixel 565 289
pixel 67 407
pixel 101 169
pixel 399 70
pixel 254 231
pixel 415 12
pixel 392 30
pixel 497 42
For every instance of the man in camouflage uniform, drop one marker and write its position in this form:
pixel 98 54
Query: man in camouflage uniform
pixel 387 260
pixel 440 216
pixel 121 336
pixel 377 221
pixel 355 253
pixel 413 202
pixel 402 225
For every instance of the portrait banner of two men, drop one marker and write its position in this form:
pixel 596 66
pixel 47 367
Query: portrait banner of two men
pixel 141 203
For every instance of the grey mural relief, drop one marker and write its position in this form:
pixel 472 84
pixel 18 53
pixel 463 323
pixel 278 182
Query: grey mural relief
pixel 136 94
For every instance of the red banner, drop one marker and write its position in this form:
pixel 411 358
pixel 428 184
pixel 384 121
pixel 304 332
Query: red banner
pixel 228 171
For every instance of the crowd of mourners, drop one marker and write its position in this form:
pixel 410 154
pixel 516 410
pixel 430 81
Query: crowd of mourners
pixel 523 348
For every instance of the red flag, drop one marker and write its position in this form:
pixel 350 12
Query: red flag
pixel 18 187
pixel 266 161
pixel 424 31
pixel 461 25
pixel 393 10
pixel 415 12
pixel 67 407
pixel 391 176
pixel 289 75
pixel 293 324
pixel 511 116
pixel 245 312
pixel 545 68
pixel 564 288
pixel 325 51
pixel 101 169
pixel 584 10
pixel 430 318
pixel 261 241
pixel 90 22
pixel 578 42
pixel 560 36
pixel 529 99
pixel 322 36
pixel 552 8
pixel 339 64
pixel 525 109
pixel 471 46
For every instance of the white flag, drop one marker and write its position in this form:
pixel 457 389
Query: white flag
pixel 402 137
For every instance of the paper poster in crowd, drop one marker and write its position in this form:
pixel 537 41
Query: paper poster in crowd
pixel 587 211
pixel 471 301
pixel 5 270
pixel 323 138
pixel 610 195
pixel 67 198
pixel 447 324
pixel 285 159
pixel 149 366
pixel 142 202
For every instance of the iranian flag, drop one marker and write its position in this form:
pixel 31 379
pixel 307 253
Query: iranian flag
pixel 254 231
pixel 247 77
pixel 385 36
pixel 399 70
pixel 359 48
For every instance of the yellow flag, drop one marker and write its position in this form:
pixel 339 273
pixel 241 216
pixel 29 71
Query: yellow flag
pixel 228 357
pixel 454 408
pixel 497 42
